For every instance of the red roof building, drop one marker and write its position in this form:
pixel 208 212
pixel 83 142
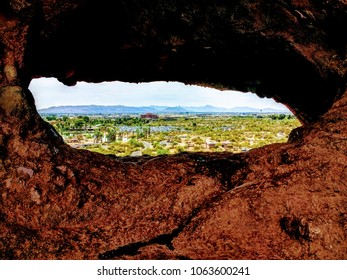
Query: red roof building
pixel 150 116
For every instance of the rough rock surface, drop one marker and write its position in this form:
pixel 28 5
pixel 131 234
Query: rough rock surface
pixel 282 201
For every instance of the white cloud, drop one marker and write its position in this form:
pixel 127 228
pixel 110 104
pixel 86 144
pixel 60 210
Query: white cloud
pixel 49 92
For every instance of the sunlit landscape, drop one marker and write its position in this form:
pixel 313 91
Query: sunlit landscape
pixel 126 123
pixel 150 134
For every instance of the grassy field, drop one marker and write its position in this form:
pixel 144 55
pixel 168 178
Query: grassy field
pixel 125 136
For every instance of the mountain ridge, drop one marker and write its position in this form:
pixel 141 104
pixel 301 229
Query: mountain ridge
pixel 122 109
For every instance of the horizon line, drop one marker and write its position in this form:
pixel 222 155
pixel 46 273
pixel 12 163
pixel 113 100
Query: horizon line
pixel 172 106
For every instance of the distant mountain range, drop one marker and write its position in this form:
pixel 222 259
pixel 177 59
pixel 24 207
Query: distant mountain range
pixel 120 109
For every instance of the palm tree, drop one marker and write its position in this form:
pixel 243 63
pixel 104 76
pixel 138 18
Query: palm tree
pixel 97 136
pixel 86 122
pixel 112 134
pixel 108 130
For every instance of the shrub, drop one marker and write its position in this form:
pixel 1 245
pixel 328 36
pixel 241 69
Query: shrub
pixel 135 144
pixel 162 152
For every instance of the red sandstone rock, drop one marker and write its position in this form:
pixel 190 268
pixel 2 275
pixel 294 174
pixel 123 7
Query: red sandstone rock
pixel 282 201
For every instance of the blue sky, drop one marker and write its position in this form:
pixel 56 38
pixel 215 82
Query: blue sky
pixel 50 92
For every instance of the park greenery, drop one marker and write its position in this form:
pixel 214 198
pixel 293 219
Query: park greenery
pixel 136 136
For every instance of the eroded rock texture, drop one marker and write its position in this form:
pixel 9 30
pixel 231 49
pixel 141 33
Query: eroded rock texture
pixel 282 201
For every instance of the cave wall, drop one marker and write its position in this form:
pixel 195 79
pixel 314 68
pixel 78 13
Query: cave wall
pixel 282 201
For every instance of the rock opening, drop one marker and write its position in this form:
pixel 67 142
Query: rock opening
pixel 125 119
